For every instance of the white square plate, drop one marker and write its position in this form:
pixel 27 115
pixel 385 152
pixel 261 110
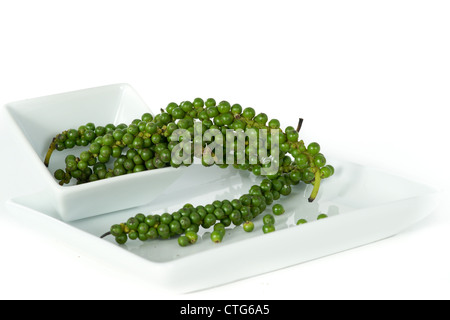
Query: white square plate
pixel 38 120
pixel 363 205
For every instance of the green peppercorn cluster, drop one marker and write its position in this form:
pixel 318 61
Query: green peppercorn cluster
pixel 186 222
pixel 147 144
pixel 142 145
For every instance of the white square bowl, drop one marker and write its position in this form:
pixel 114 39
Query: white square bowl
pixel 39 120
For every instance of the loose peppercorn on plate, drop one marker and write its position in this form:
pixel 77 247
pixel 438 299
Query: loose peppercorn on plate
pixel 232 187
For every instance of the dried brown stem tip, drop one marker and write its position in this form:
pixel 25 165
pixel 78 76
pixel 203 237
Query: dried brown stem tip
pixel 299 126
pixel 106 234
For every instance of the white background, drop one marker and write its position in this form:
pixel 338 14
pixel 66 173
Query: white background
pixel 370 78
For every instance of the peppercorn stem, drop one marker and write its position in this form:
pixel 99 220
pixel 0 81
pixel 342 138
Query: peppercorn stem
pixel 105 234
pixel 50 150
pixel 316 183
pixel 299 126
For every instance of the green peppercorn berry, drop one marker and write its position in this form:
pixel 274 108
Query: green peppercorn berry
pixel 192 236
pixel 216 236
pixel 212 111
pixel 295 176
pixel 284 147
pixel 138 160
pixel 170 107
pixel 236 109
pixel 238 125
pixel 185 222
pixel 209 220
pixel 313 148
pixel 227 118
pixel 268 197
pixel 322 216
pixel 133 129
pixel 274 124
pixel 248 113
pixel 150 127
pixel 248 226
pixel 319 160
pixel 94 148
pixel 219 213
pixel 164 117
pixel 268 219
pixel 236 203
pixel 166 218
pixel 246 213
pixel 220 227
pixel 193 227
pixel 276 195
pixel 143 228
pixel 198 103
pixel 59 174
pixel 256 201
pixel 267 228
pixel 210 208
pixel 72 134
pixel 301 221
pixel 140 217
pixel 147 117
pixel 224 107
pixel 142 236
pixel 68 144
pixel 261 118
pixel 236 217
pixel 157 217
pixel 163 231
pixel 307 176
pixel 217 204
pixel 90 126
pixel 292 136
pixel 255 190
pixel 175 227
pixel 156 138
pixel 256 170
pixel 133 235
pixel 127 139
pixel 133 223
pixel 278 209
pixel 150 220
pixel 210 102
pixel 203 115
pixel 266 185
pixel 326 171
pixel 85 156
pixel 152 233
pixel 286 190
pixel 186 106
pixel 183 241
pixel 108 139
pixel 138 143
pixel 331 168
pixel 116 230
pixel 116 151
pixel 122 238
pixel 255 211
pixel 178 113
pixel 226 221
pixel 195 217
